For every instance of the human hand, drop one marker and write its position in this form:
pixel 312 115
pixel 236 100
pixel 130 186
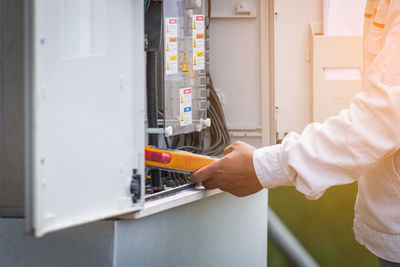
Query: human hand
pixel 234 173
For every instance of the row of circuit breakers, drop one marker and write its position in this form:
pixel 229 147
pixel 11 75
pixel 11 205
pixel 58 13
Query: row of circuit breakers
pixel 176 43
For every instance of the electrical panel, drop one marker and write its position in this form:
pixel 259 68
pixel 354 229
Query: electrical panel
pixel 107 78
pixel 86 119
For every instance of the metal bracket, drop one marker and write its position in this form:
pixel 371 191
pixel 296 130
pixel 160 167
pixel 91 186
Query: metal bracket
pixel 240 11
pixel 256 132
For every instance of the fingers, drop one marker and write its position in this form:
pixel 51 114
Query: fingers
pixel 213 184
pixel 205 173
pixel 231 148
pixel 210 184
pixel 228 149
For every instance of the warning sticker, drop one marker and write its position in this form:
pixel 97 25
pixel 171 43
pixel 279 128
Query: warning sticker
pixel 171 46
pixel 185 100
pixel 198 42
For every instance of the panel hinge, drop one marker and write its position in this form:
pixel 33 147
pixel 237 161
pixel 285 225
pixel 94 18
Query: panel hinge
pixel 135 187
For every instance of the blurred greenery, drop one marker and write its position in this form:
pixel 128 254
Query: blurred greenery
pixel 324 226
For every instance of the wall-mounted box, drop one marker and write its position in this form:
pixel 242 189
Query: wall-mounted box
pixel 82 98
pixel 336 63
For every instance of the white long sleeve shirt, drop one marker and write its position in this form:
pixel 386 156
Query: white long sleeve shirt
pixel 361 144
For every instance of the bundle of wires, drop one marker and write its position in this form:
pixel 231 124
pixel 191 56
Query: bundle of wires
pixel 219 134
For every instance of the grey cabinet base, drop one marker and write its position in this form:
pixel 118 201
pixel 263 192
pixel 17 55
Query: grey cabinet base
pixel 219 231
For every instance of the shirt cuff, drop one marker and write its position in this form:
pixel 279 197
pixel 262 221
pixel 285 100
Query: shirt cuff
pixel 268 167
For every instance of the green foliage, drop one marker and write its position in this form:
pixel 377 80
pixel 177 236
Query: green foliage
pixel 324 226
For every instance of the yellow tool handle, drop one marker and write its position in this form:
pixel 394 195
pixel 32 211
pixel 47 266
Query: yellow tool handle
pixel 175 160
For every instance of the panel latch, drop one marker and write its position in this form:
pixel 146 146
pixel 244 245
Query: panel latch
pixel 135 186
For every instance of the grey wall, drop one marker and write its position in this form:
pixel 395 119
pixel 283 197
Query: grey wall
pixel 88 245
pixel 11 108
pixel 219 231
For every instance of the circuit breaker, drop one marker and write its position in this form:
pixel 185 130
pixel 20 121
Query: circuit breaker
pixel 185 66
pixel 177 82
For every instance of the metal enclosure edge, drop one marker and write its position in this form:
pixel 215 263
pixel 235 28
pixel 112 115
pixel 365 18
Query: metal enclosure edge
pixel 267 90
pixel 270 17
pixel 122 122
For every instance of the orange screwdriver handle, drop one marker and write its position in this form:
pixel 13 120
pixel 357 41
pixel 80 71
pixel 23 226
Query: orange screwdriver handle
pixel 175 160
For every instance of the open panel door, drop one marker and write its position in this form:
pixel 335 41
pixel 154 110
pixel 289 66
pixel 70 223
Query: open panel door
pixel 84 109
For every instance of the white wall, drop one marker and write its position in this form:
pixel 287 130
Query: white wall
pixel 236 66
pixel 292 67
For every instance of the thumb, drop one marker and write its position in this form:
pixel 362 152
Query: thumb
pixel 204 173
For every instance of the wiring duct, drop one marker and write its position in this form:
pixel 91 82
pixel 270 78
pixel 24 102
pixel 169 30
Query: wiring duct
pixel 152 110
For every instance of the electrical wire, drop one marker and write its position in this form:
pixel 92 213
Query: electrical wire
pixel 193 148
pixel 208 14
pixel 218 133
pixel 148 6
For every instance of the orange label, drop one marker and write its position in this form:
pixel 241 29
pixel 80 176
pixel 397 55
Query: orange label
pixel 172 39
pixel 200 36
